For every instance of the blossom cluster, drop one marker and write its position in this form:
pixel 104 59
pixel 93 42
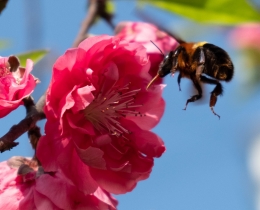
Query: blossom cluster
pixel 246 36
pixel 98 137
pixel 16 83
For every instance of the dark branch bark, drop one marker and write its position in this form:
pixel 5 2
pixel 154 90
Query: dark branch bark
pixel 34 114
pixel 87 22
pixel 96 8
pixel 34 133
pixel 2 5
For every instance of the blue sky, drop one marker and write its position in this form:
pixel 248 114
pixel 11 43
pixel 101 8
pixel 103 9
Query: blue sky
pixel 205 165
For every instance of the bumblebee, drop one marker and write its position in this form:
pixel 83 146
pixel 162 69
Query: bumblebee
pixel 199 62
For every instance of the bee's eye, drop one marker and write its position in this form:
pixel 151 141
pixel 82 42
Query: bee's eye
pixel 165 58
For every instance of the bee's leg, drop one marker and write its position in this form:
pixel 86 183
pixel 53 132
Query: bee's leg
pixel 197 76
pixel 218 90
pixel 198 87
pixel 179 81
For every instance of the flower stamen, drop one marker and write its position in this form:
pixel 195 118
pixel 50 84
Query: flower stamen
pixel 4 70
pixel 106 109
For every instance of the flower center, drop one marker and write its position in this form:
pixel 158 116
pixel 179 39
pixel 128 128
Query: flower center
pixel 106 109
pixel 4 71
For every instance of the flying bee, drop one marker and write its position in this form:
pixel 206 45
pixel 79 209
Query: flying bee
pixel 200 62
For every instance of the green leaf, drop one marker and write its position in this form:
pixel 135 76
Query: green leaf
pixel 35 56
pixel 226 12
pixel 110 7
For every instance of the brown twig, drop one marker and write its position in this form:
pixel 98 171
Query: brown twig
pixel 2 5
pixel 34 114
pixel 87 22
pixel 103 13
pixel 96 8
pixel 34 133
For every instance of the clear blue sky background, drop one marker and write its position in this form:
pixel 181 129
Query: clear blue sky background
pixel 205 165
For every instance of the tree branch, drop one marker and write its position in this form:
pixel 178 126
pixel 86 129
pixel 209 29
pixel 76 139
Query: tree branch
pixel 2 5
pixel 87 22
pixel 96 8
pixel 33 115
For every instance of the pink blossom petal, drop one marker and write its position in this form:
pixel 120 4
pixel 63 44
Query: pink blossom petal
pixel 83 97
pixel 46 191
pixel 65 62
pixel 75 170
pixel 46 155
pixel 95 42
pixel 14 86
pixel 42 202
pixel 102 140
pixel 48 149
pixel 92 156
pixel 110 77
pixel 105 198
pixel 152 116
pixel 27 202
pixel 56 190
pixel 6 175
pixel 152 108
pixel 75 120
pixel 246 36
pixel 7 196
pixel 65 73
pixel 114 182
pixel 141 164
pixel 145 141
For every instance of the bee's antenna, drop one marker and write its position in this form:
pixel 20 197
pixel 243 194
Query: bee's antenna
pixel 157 47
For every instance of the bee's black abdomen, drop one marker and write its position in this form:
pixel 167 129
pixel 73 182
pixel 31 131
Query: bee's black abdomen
pixel 218 63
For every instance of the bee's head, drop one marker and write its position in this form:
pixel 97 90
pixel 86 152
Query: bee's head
pixel 166 65
pixel 170 63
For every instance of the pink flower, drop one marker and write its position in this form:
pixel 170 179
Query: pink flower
pixel 99 114
pixel 16 83
pixel 34 189
pixel 144 33
pixel 246 36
